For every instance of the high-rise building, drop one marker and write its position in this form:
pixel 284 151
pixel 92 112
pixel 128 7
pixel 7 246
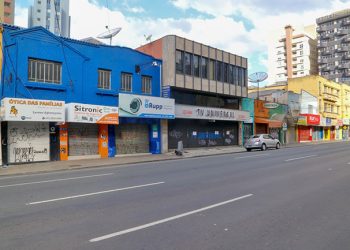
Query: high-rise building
pixel 7 11
pixel 293 55
pixel 334 46
pixel 52 15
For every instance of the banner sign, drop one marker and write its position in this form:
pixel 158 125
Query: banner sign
pixel 146 106
pixel 206 113
pixel 33 110
pixel 86 113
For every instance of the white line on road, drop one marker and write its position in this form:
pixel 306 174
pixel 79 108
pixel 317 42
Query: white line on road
pixel 95 193
pixel 56 180
pixel 167 219
pixel 251 156
pixel 299 158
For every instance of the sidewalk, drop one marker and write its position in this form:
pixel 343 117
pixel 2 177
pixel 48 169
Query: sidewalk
pixel 130 159
pixel 116 161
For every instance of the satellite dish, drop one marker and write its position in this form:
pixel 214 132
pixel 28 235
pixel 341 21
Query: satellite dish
pixel 148 38
pixel 109 34
pixel 257 77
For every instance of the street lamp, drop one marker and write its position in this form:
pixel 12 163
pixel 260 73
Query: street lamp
pixel 258 77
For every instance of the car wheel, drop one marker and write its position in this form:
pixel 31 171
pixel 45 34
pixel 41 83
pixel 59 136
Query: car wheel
pixel 249 149
pixel 263 147
pixel 278 145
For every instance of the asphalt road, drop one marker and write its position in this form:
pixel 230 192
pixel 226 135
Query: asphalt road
pixel 293 198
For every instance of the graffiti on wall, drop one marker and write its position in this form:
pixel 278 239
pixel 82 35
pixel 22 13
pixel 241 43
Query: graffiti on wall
pixel 28 142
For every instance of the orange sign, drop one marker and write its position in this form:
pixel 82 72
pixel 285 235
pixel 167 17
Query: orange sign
pixel 103 140
pixel 112 118
pixel 64 142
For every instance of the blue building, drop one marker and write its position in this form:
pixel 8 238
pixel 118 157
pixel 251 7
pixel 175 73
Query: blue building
pixel 60 98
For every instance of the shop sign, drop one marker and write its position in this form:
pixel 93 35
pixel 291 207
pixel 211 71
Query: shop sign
pixel 33 110
pixel 346 121
pixel 86 113
pixel 340 122
pixel 302 120
pixel 206 113
pixel 271 105
pixel 312 119
pixel 146 106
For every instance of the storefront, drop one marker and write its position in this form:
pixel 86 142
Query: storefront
pixel 346 123
pixel 29 131
pixel 140 116
pixel 86 132
pixel 308 129
pixel 269 118
pixel 199 126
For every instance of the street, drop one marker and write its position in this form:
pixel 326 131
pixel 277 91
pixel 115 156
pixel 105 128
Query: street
pixel 292 198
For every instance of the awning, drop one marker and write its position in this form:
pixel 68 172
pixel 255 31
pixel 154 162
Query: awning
pixel 271 123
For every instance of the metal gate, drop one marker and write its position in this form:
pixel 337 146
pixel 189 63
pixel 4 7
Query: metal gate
pixel 132 138
pixel 82 139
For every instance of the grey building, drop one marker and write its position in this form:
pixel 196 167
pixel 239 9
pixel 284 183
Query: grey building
pixel 208 85
pixel 333 33
pixel 52 15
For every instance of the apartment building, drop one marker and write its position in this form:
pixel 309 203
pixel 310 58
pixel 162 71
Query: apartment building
pixel 7 11
pixel 294 54
pixel 208 85
pixel 334 46
pixel 52 15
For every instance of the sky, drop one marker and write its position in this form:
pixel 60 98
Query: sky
pixel 241 27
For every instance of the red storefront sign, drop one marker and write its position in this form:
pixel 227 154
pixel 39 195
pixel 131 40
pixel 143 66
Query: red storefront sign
pixel 312 119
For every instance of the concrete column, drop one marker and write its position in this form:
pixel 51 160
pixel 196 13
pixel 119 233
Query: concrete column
pixel 240 133
pixel 164 135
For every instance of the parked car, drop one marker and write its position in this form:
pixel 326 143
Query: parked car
pixel 262 141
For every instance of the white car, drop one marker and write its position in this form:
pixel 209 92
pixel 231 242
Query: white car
pixel 262 141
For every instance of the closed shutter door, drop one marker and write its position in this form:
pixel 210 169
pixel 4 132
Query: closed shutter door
pixel 132 138
pixel 83 139
pixel 28 142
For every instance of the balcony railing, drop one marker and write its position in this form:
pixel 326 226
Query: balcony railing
pixel 342 32
pixel 346 22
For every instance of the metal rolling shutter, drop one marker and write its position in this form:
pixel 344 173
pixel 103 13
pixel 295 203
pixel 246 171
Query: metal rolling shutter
pixel 28 142
pixel 132 138
pixel 83 139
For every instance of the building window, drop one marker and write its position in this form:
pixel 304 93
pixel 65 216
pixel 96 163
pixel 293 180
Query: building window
pixel 230 74
pixel 211 69
pixel 226 71
pixel 104 79
pixel 188 63
pixel 179 62
pixel 44 71
pixel 204 67
pixel 196 65
pixel 146 85
pixel 126 84
pixel 219 71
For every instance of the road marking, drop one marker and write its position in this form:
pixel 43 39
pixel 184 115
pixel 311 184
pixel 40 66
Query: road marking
pixel 299 158
pixel 251 156
pixel 95 193
pixel 133 229
pixel 56 180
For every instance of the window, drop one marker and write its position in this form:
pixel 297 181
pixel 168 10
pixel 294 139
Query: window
pixel 188 63
pixel 179 62
pixel 230 70
pixel 104 79
pixel 211 69
pixel 126 84
pixel 146 84
pixel 196 65
pixel 235 75
pixel 38 19
pixel 44 71
pixel 219 71
pixel 226 72
pixel 204 67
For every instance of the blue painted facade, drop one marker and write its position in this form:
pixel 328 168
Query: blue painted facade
pixel 80 64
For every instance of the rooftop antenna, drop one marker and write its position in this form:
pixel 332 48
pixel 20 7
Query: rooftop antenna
pixel 257 77
pixel 148 38
pixel 109 34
